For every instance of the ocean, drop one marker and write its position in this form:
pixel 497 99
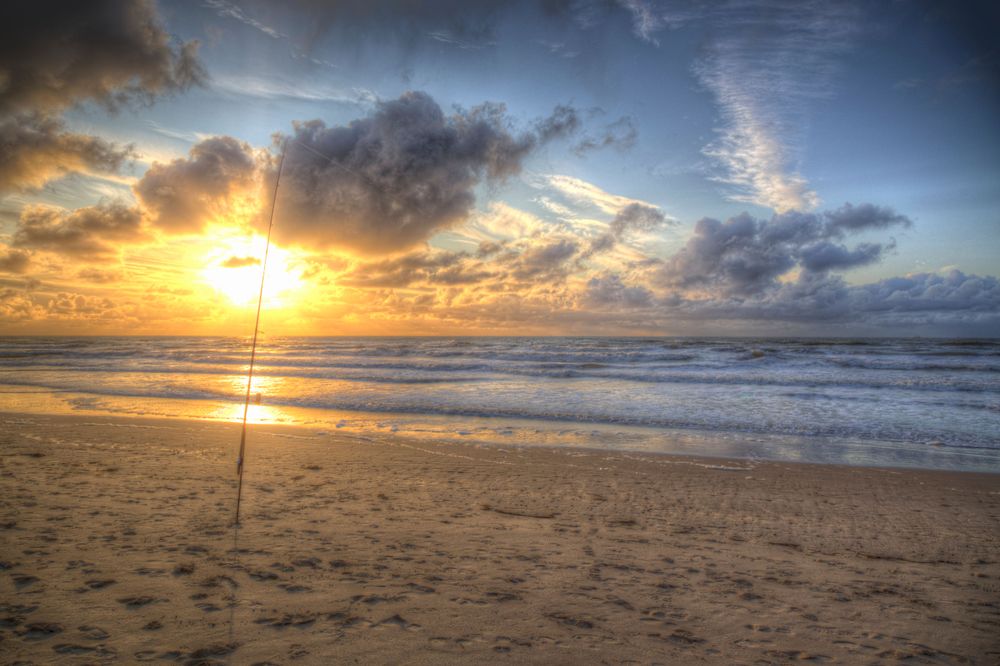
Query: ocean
pixel 889 402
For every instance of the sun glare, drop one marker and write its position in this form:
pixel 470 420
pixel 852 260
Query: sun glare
pixel 234 270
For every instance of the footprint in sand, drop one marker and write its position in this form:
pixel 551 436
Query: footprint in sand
pixel 41 630
pixel 93 633
pixel 396 621
pixel 138 602
pixel 73 648
pixel 298 620
pixel 24 580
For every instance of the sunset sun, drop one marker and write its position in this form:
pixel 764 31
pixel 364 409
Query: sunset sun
pixel 234 270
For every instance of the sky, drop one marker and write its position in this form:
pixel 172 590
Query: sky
pixel 581 167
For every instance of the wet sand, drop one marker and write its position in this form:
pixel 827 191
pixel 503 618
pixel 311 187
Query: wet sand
pixel 116 545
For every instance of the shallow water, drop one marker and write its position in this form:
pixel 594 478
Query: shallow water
pixel 911 402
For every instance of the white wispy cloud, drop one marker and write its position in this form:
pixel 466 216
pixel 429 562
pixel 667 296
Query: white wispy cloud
pixel 274 88
pixel 229 10
pixel 173 133
pixel 554 207
pixel 232 11
pixel 768 63
pixel 446 37
pixel 650 17
pixel 557 48
pixel 581 192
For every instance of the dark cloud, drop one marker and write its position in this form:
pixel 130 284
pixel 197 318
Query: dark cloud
pixel 565 120
pixel 745 256
pixel 434 267
pixel 602 243
pixel 633 217
pixel 608 291
pixel 826 256
pixel 922 301
pixel 849 218
pixel 930 294
pixel 185 194
pixel 637 217
pixel 488 248
pixel 55 54
pixel 14 261
pixel 546 259
pixel 35 149
pixel 240 262
pixel 621 135
pixel 388 181
pixel 90 233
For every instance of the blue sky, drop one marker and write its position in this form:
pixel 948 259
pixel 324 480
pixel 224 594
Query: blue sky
pixel 695 109
pixel 904 119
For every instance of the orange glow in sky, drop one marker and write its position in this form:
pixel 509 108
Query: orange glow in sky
pixel 241 283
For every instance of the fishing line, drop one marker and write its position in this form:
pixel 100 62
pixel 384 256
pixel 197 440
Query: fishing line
pixel 256 329
pixel 260 300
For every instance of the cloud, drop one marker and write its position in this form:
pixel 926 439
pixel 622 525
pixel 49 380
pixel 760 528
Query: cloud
pixel 825 256
pixel 633 217
pixel 608 291
pixel 17 305
pixel 446 37
pixel 620 134
pixel 14 261
pixel 745 256
pixel 454 22
pixel 229 10
pixel 581 192
pixel 94 232
pixel 68 305
pixel 99 276
pixel 35 149
pixel 925 298
pixel 56 56
pixel 427 267
pixel 558 48
pixel 240 262
pixel 564 121
pixel 849 218
pixel 538 279
pixel 112 52
pixel 650 17
pixel 272 88
pixel 637 217
pixel 924 301
pixel 186 194
pixel 767 64
pixel 545 258
pixel 390 180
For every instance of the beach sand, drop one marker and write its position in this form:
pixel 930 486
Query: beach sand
pixel 116 544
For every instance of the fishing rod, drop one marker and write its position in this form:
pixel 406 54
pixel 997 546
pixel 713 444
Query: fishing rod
pixel 256 329
pixel 260 300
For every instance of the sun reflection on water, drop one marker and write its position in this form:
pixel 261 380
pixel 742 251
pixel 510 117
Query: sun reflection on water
pixel 255 413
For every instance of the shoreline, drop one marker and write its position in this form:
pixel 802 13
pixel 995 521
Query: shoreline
pixel 117 544
pixel 498 431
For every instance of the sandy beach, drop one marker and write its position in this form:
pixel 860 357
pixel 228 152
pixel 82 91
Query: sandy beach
pixel 116 544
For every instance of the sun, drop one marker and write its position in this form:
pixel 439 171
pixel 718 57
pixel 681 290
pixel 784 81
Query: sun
pixel 234 270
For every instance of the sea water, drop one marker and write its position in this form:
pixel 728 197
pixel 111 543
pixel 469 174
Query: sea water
pixel 895 402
